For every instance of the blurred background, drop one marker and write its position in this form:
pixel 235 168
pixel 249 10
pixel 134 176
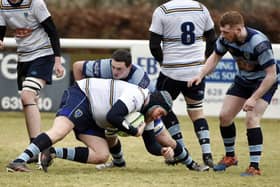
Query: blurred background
pixel 130 19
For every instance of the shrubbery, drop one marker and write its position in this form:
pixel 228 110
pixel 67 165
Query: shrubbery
pixel 132 22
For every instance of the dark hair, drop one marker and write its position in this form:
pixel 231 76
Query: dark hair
pixel 122 55
pixel 231 18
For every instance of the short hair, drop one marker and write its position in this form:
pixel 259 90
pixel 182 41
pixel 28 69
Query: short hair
pixel 231 18
pixel 122 55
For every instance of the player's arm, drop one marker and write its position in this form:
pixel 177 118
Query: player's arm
pixel 210 65
pixel 210 38
pixel 78 70
pixel 151 144
pixel 50 29
pixel 155 47
pixel 116 116
pixel 2 34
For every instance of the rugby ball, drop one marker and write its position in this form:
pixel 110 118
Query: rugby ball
pixel 135 119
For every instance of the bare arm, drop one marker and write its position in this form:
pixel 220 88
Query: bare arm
pixel 266 84
pixel 78 70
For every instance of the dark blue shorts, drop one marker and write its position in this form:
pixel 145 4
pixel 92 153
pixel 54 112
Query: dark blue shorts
pixel 174 87
pixel 245 88
pixel 39 68
pixel 75 106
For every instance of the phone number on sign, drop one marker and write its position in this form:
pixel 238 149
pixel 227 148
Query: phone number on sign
pixel 14 103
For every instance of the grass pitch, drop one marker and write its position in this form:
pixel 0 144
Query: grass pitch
pixel 142 169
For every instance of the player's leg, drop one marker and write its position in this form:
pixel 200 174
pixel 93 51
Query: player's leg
pixel 32 77
pixel 95 152
pixel 152 130
pixel 29 95
pixel 201 128
pixel 171 121
pixel 75 107
pixel 254 132
pixel 255 137
pixel 115 149
pixel 228 130
pixel 181 154
pixel 194 98
pixel 61 127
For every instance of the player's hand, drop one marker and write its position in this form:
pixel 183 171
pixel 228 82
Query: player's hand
pixel 58 68
pixel 2 45
pixel 249 105
pixel 194 81
pixel 167 153
pixel 140 129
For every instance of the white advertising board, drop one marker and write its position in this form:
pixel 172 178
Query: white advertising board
pixel 216 84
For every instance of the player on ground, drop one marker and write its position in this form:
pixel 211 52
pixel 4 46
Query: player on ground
pixel 92 106
pixel 181 27
pixel 120 67
pixel 252 90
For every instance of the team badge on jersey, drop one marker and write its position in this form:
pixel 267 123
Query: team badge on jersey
pixel 78 113
pixel 25 14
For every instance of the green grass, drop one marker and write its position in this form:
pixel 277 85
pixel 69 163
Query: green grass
pixel 142 169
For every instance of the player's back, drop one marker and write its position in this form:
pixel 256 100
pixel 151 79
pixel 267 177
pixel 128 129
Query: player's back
pixel 103 93
pixel 182 24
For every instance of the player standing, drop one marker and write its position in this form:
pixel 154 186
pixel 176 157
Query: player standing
pixel 38 50
pixel 181 26
pixel 252 89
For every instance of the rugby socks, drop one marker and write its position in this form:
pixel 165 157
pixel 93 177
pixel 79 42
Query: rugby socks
pixel 38 144
pixel 255 142
pixel 77 154
pixel 172 124
pixel 202 132
pixel 182 155
pixel 229 135
pixel 117 154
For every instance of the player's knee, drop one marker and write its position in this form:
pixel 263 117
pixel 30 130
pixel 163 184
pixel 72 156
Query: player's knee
pixel 31 88
pixel 98 157
pixel 224 118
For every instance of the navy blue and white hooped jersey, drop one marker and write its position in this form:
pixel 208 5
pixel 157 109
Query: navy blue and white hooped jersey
pixel 103 69
pixel 103 93
pixel 252 56
pixel 182 24
pixel 27 18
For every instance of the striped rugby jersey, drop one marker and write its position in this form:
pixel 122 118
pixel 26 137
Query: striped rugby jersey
pixel 252 56
pixel 27 17
pixel 182 24
pixel 103 93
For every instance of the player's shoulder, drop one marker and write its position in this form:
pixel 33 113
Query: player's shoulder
pixel 138 68
pixel 181 6
pixel 256 37
pixel 138 72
